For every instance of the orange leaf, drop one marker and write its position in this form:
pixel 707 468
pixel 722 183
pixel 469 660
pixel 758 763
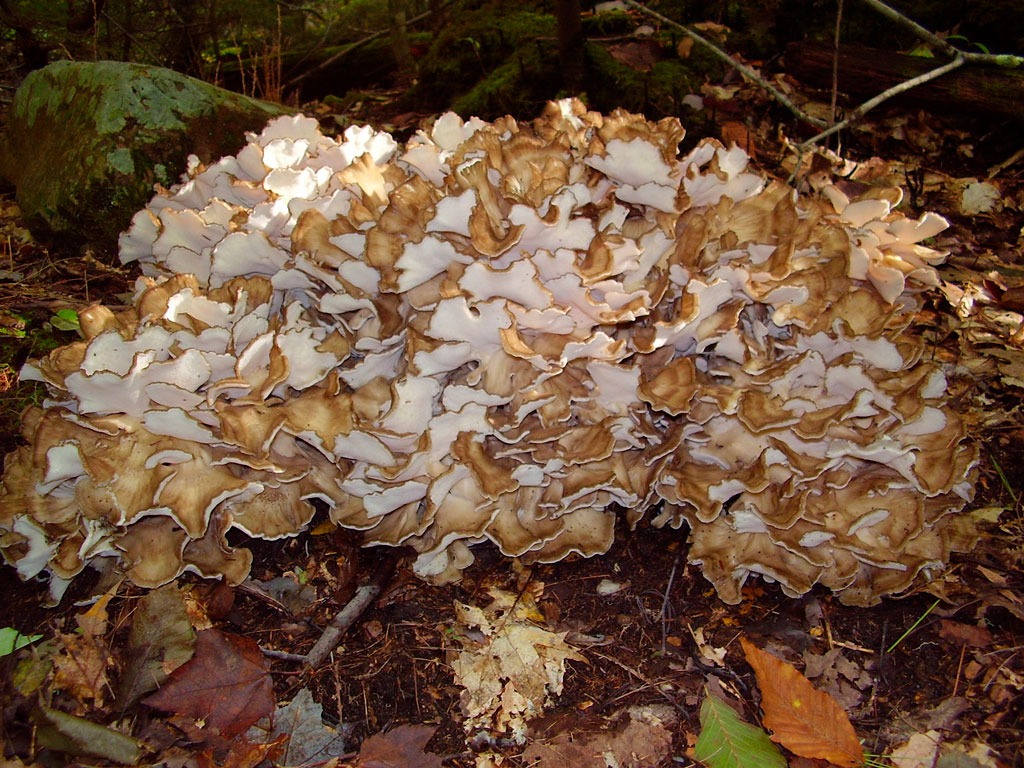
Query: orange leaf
pixel 806 721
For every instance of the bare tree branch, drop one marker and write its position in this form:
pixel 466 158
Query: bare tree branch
pixel 997 59
pixel 871 103
pixel 738 65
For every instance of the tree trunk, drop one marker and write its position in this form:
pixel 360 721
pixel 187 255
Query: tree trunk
pixel 570 45
pixel 436 14
pixel 399 38
pixel 864 72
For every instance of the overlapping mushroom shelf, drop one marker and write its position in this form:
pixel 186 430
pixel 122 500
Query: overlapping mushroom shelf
pixel 505 332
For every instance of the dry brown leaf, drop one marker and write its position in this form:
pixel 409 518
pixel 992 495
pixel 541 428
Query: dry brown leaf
pixel 401 747
pixel 919 752
pixel 806 721
pixel 641 55
pixel 644 741
pixel 964 634
pixel 734 132
pixel 226 684
pixel 80 668
pixel 511 667
pixel 243 754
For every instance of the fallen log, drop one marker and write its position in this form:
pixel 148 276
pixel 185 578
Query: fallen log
pixel 864 72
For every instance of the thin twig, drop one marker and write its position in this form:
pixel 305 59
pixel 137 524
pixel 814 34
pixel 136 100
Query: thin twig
pixel 885 95
pixel 738 65
pixel 130 36
pixel 650 684
pixel 925 34
pixel 835 64
pixel 283 655
pixel 995 170
pixel 959 669
pixel 1000 60
pixel 912 627
pixel 664 604
pixel 346 617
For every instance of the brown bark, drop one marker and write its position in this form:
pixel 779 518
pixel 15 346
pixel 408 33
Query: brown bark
pixel 570 44
pixel 864 72
pixel 399 37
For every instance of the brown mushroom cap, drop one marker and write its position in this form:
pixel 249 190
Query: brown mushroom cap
pixel 503 332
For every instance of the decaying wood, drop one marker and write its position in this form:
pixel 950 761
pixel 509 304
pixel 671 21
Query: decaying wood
pixel 866 71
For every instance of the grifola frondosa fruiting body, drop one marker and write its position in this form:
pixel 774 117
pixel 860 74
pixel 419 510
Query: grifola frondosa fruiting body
pixel 505 332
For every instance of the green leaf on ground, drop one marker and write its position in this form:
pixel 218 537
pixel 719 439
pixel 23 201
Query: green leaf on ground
pixel 65 320
pixel 11 640
pixel 75 736
pixel 725 741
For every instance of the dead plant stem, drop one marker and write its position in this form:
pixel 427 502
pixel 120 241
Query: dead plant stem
pixel 650 684
pixel 959 669
pixel 345 618
pixel 835 64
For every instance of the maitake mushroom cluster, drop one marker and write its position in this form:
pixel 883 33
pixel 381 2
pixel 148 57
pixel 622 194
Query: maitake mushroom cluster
pixel 506 332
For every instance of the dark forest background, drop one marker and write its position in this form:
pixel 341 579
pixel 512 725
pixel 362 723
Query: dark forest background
pixel 486 57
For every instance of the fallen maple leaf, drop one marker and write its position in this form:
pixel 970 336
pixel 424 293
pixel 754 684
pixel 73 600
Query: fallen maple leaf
pixel 225 684
pixel 80 668
pixel 804 720
pixel 401 747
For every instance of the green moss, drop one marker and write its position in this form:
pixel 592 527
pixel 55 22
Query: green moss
pixel 518 87
pixel 86 142
pixel 608 23
pixel 121 160
pixel 489 64
pixel 657 92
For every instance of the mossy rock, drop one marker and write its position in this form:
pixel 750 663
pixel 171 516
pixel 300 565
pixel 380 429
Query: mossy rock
pixel 86 141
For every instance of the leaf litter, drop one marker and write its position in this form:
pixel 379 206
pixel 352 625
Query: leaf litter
pixel 307 739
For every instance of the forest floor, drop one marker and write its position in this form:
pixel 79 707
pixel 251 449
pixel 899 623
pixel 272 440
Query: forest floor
pixel 937 675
